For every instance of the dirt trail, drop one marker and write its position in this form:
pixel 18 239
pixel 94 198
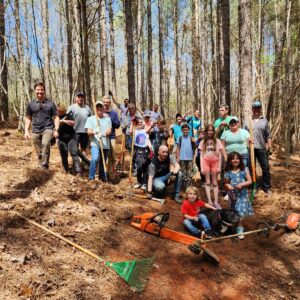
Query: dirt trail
pixel 34 265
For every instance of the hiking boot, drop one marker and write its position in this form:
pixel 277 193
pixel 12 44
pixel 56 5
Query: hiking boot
pixel 144 187
pixel 239 230
pixel 137 186
pixel 208 234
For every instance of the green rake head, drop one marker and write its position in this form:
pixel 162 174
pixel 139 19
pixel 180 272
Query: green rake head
pixel 134 272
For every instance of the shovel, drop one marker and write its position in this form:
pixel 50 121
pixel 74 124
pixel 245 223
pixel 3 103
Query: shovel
pixel 161 201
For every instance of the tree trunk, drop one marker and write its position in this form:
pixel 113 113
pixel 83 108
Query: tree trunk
pixel 223 11
pixel 149 67
pixel 86 58
pixel 245 57
pixel 140 58
pixel 130 50
pixel 3 67
pixel 161 56
pixel 112 50
pixel 69 51
pixel 46 48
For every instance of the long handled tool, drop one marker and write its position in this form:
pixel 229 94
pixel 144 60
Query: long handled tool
pixel 252 158
pixel 160 200
pixel 131 154
pixel 100 140
pixel 134 272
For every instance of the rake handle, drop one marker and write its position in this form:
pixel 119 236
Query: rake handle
pixel 131 154
pixel 75 245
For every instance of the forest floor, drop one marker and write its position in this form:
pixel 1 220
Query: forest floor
pixel 36 265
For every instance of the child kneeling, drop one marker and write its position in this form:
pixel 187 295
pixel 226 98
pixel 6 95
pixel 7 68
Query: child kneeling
pixel 192 216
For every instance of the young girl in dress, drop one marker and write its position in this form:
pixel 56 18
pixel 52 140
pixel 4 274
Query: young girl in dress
pixel 237 178
pixel 211 157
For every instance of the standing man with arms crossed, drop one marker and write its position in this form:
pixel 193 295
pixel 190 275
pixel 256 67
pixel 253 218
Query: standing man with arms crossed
pixel 262 143
pixel 40 114
pixel 80 112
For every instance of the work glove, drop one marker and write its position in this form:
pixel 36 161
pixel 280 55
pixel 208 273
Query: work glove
pixel 149 195
pixel 100 135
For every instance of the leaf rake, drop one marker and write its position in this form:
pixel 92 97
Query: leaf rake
pixel 134 272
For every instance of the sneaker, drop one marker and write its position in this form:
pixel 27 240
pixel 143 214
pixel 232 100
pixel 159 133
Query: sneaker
pixel 239 230
pixel 268 192
pixel 208 234
pixel 137 186
pixel 144 187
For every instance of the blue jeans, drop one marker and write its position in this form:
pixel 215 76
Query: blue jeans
pixel 263 159
pixel 245 158
pixel 97 157
pixel 160 184
pixel 128 142
pixel 193 227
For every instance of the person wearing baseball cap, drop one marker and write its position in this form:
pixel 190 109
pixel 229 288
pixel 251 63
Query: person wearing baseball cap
pixel 262 143
pixel 98 131
pixel 236 139
pixel 80 113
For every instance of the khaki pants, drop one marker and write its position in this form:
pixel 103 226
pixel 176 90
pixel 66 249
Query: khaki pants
pixel 42 144
pixel 112 156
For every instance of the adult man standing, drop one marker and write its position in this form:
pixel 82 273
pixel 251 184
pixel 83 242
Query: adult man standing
pixel 222 123
pixel 131 116
pixel 115 125
pixel 160 170
pixel 155 114
pixel 123 108
pixel 40 114
pixel 194 122
pixel 99 129
pixel 80 112
pixel 262 143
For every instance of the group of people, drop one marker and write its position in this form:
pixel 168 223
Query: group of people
pixel 219 148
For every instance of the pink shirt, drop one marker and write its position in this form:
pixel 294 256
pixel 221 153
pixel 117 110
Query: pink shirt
pixel 211 149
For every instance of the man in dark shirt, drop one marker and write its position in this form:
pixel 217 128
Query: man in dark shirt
pixel 161 168
pixel 40 114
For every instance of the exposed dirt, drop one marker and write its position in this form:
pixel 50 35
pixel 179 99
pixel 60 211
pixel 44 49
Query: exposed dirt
pixel 36 265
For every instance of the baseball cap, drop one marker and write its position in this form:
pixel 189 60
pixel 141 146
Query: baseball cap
pixel 80 93
pixel 256 104
pixel 233 120
pixel 99 103
pixel 147 113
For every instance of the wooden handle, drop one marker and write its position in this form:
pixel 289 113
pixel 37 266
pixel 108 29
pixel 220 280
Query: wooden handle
pixel 62 238
pixel 131 155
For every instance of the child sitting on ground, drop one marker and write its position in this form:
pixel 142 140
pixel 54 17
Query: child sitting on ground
pixel 238 178
pixel 186 153
pixel 192 216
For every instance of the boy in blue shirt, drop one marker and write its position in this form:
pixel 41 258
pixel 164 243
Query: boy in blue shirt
pixel 186 152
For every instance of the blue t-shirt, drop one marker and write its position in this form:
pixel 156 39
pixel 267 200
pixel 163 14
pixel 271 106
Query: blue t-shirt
pixel 194 124
pixel 176 128
pixel 105 123
pixel 186 148
pixel 236 141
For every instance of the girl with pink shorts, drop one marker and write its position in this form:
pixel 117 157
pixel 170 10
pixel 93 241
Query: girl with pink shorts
pixel 211 157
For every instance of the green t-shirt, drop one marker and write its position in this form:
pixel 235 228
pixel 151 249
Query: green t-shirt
pixel 236 141
pixel 225 127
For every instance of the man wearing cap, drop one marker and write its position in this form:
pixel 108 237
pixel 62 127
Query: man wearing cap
pixel 222 123
pixel 80 112
pixel 262 143
pixel 41 113
pixel 99 128
pixel 131 116
pixel 175 131
pixel 115 125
